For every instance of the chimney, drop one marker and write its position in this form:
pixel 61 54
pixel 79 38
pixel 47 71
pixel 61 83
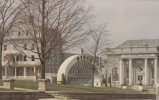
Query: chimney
pixel 81 51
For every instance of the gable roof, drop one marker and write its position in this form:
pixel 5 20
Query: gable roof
pixel 145 42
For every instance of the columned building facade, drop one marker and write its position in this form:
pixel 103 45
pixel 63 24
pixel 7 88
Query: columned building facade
pixel 136 62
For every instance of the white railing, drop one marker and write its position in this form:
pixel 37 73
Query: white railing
pixel 11 52
pixel 25 63
pixel 20 77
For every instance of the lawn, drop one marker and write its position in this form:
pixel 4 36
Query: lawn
pixel 72 88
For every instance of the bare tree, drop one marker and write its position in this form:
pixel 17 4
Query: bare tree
pixel 9 11
pixel 97 42
pixel 54 26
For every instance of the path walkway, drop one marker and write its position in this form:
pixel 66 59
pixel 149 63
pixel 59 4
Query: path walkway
pixel 21 89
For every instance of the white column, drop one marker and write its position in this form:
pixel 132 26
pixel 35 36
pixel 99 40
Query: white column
pixel 156 71
pixel 146 72
pixel 130 71
pixel 150 73
pixel 134 75
pixel 15 71
pixel 35 74
pixel 34 69
pixel 6 75
pixel 24 72
pixel 121 71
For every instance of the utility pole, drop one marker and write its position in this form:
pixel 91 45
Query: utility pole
pixel 114 78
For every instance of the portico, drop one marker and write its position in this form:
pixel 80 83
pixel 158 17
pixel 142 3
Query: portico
pixel 138 69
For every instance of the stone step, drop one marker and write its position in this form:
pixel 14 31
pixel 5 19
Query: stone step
pixel 44 95
pixel 152 90
pixel 60 97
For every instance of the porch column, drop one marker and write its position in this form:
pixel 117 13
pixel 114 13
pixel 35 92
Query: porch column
pixel 121 71
pixel 15 71
pixel 35 70
pixel 35 74
pixel 130 71
pixel 6 74
pixel 24 72
pixel 156 71
pixel 146 72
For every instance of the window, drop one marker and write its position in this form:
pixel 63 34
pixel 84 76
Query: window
pixel 5 47
pixel 17 58
pixel 19 33
pixel 33 47
pixel 27 33
pixel 140 77
pixel 57 60
pixel 13 59
pixel 4 59
pixel 32 58
pixel 84 72
pixel 25 58
pixel 49 61
pixel 78 71
pixel 52 60
pixel 73 71
pixel 25 46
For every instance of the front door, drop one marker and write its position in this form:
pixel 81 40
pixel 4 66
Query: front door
pixel 140 79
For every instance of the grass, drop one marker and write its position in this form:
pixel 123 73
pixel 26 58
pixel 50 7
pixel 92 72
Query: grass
pixel 79 88
pixel 3 89
pixel 26 84
pixel 72 88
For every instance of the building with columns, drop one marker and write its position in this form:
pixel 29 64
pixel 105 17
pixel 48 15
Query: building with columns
pixel 136 62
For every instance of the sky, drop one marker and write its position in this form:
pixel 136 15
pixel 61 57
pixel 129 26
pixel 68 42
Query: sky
pixel 128 19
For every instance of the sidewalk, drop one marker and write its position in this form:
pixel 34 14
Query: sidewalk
pixel 22 89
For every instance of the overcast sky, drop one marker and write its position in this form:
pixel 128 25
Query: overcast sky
pixel 128 19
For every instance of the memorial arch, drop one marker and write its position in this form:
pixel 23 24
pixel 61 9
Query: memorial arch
pixel 68 64
pixel 137 62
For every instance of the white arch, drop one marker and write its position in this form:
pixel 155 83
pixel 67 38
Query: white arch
pixel 65 67
pixel 69 62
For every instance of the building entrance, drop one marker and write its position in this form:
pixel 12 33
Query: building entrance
pixel 138 71
pixel 140 79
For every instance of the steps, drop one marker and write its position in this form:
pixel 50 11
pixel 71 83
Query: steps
pixel 149 89
pixel 42 95
pixel 24 95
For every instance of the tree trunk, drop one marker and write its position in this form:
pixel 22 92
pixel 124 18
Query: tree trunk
pixel 1 44
pixel 43 41
pixel 42 69
pixel 92 78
